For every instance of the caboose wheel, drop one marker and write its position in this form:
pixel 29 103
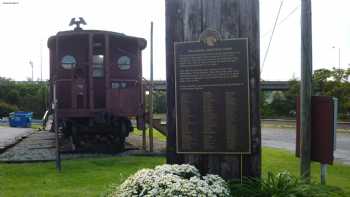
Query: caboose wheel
pixel 121 144
pixel 119 135
pixel 123 129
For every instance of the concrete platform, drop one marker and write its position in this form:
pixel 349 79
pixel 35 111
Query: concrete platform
pixel 10 136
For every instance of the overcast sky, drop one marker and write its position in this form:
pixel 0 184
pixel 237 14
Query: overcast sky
pixel 26 26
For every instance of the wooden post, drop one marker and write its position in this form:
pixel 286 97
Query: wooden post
pixel 306 90
pixel 151 96
pixel 58 153
pixel 144 147
pixel 55 107
pixel 144 127
pixel 185 21
pixel 323 173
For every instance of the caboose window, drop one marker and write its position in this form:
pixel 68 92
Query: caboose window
pixel 97 66
pixel 124 63
pixel 68 62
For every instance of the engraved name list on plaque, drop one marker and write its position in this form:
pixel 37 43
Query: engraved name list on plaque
pixel 212 97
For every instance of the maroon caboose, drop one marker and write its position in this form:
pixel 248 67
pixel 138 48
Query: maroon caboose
pixel 96 77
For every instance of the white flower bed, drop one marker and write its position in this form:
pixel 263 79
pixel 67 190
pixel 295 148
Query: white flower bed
pixel 172 180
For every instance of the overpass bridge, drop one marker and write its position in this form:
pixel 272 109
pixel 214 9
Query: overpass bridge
pixel 160 85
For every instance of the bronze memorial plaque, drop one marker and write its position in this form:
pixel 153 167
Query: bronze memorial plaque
pixel 212 97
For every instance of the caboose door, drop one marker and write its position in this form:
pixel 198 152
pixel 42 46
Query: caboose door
pixel 70 73
pixel 98 71
pixel 125 77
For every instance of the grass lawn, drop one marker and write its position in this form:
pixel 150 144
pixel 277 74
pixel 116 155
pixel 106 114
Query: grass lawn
pixel 156 134
pixel 83 177
pixel 36 126
pixel 90 177
pixel 277 160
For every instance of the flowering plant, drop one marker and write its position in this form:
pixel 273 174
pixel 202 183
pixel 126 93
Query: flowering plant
pixel 171 180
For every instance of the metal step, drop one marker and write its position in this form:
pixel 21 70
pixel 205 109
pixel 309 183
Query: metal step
pixel 160 126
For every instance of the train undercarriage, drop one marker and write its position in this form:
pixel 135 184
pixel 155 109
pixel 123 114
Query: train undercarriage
pixel 100 134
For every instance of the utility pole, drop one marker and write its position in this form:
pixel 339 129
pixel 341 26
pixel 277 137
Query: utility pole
pixel 339 58
pixel 306 90
pixel 41 78
pixel 41 61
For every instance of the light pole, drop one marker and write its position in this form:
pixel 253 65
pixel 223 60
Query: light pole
pixel 338 56
pixel 32 65
pixel 41 61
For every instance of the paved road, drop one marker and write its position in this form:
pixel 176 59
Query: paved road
pixel 285 138
pixel 9 135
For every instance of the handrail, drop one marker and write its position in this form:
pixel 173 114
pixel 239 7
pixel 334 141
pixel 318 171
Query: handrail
pixel 45 118
pixel 146 81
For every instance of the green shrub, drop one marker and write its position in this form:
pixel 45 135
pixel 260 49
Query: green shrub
pixel 281 185
pixel 6 108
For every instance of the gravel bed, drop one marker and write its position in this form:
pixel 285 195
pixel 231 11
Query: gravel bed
pixel 40 146
pixel 37 146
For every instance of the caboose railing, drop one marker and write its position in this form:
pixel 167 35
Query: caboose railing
pixel 157 122
pixel 45 119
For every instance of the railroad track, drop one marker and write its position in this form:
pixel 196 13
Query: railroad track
pixel 39 146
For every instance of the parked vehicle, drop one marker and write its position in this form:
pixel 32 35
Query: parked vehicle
pixel 20 119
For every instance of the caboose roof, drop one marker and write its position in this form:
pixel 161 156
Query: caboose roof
pixel 141 41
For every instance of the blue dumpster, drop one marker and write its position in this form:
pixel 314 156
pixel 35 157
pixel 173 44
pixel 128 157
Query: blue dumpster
pixel 20 119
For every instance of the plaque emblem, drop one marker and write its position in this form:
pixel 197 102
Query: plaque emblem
pixel 209 37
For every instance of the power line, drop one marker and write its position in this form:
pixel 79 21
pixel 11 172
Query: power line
pixel 273 31
pixel 284 19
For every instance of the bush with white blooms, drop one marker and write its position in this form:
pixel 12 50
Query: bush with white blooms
pixel 171 180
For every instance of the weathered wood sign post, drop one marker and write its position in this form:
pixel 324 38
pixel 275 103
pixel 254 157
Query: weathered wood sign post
pixel 213 121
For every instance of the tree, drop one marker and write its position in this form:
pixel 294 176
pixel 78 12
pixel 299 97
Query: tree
pixel 159 102
pixel 320 78
pixel 265 108
pixel 334 83
pixel 6 108
pixel 24 96
pixel 12 96
pixel 340 75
